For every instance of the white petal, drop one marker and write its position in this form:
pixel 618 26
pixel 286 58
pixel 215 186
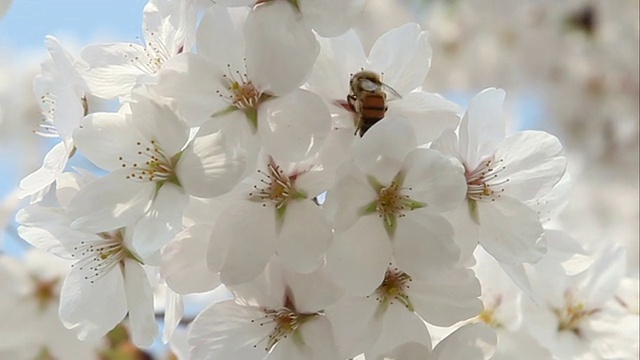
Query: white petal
pixel 447 144
pixel 104 137
pixel 184 263
pixel 52 166
pixel 113 68
pixel 210 165
pixel 470 342
pixel 354 337
pixel 350 194
pixel 142 321
pixel 173 313
pixel 404 56
pixel 510 231
pixel 225 330
pixel 221 36
pixel 340 57
pixel 533 163
pixel 46 229
pixel 410 351
pixel 251 238
pixel 330 17
pixel 110 202
pixel 435 180
pixel 399 327
pixel 161 222
pixel 423 245
pixel 281 50
pixel 429 114
pixel 603 277
pixel 190 81
pixel 83 305
pixel 304 237
pixel 482 126
pixel 294 127
pixel 68 184
pixel 383 148
pixel 158 122
pixel 313 292
pixel 318 336
pixel 447 298
pixel 358 258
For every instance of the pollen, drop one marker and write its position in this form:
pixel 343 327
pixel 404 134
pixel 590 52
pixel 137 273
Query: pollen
pixel 45 291
pixel 241 93
pixel 394 289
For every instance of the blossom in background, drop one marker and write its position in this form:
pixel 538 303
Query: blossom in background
pixel 31 327
pixel 401 57
pixel 113 70
pixel 62 94
pixel 579 316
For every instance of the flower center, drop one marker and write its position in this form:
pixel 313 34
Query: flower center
pixel 488 314
pixel 150 57
pixel 45 291
pixel 275 187
pixel 151 163
pixel 483 183
pixel 571 315
pixel 99 255
pixel 393 288
pixel 391 203
pixel 285 321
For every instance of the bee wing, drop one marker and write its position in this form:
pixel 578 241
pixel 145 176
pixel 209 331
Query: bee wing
pixel 368 85
pixel 393 94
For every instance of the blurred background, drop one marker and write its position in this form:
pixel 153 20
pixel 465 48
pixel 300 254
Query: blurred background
pixel 569 67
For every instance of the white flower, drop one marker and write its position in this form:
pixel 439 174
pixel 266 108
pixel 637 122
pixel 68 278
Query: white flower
pixel 578 317
pixel 470 342
pixel 386 202
pixel 29 304
pixel 393 314
pixel 276 215
pixel 115 69
pixel 153 171
pixel 107 279
pixel 277 316
pixel 505 178
pixel 217 84
pixel 281 47
pixel 402 57
pixel 61 94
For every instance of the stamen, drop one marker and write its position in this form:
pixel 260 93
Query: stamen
pixel 98 256
pixel 153 163
pixel 393 288
pixel 484 183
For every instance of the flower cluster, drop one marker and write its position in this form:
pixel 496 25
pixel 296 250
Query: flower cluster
pixel 256 145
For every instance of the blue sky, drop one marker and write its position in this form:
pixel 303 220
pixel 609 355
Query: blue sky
pixel 28 21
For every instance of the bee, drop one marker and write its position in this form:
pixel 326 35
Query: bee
pixel 367 99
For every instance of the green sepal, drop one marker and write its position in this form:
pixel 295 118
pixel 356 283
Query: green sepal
pixel 375 184
pixel 390 225
pixel 370 208
pixel 224 111
pixel 473 211
pixel 297 338
pixel 252 117
pixel 280 214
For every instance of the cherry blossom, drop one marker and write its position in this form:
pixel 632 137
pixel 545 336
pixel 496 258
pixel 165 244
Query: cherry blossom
pixel 277 316
pixel 63 102
pixel 216 84
pixel 387 201
pixel 504 176
pixel 153 171
pixel 114 69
